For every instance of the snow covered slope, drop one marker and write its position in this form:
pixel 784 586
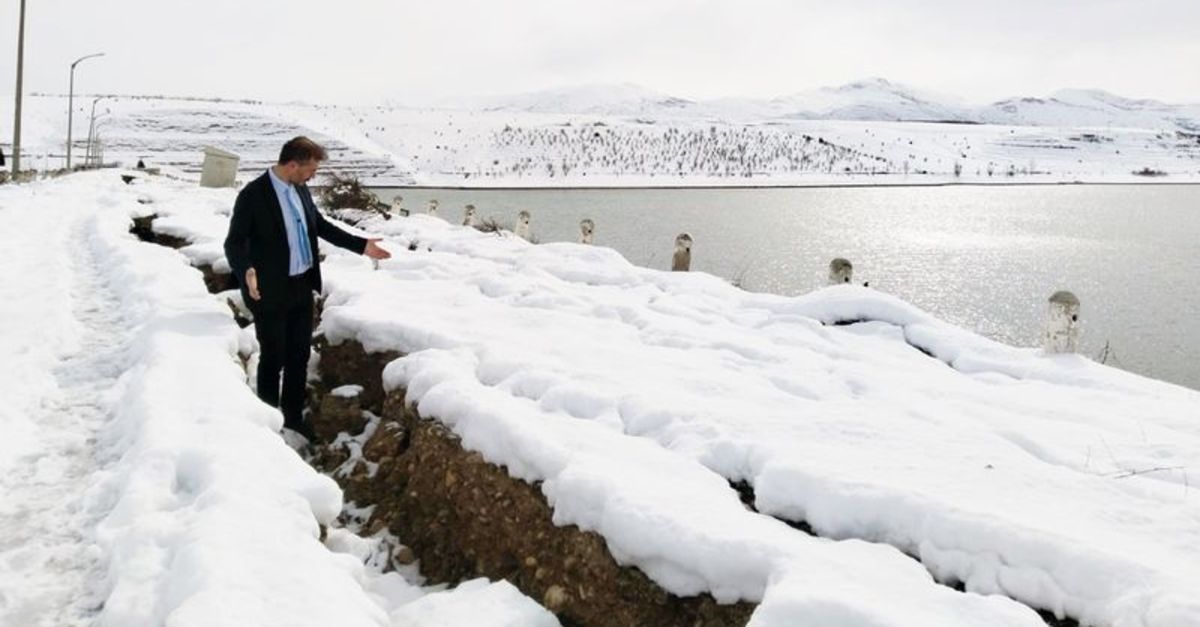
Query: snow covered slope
pixel 1088 107
pixel 620 99
pixel 918 452
pixel 863 133
pixel 141 481
pixel 637 395
pixel 874 99
pixel 173 133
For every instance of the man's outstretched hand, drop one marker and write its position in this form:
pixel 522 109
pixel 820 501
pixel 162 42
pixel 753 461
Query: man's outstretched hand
pixel 252 284
pixel 375 251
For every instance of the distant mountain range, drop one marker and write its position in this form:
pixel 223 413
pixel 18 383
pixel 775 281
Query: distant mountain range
pixel 872 99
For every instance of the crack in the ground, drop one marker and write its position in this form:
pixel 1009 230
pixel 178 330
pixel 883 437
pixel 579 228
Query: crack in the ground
pixel 744 489
pixel 921 349
pixel 747 496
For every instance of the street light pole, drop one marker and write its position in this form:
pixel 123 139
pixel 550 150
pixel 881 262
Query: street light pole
pixel 71 101
pixel 93 139
pixel 91 130
pixel 16 146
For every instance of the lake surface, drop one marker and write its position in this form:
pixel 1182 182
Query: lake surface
pixel 983 257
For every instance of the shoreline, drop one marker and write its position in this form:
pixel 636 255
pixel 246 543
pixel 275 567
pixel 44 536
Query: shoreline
pixel 535 188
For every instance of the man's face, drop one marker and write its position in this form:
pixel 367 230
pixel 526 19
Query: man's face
pixel 299 172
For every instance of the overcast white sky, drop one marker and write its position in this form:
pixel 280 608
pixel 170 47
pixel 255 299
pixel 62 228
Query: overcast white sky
pixel 356 51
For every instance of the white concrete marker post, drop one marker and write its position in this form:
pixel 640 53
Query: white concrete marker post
pixel 840 271
pixel 586 229
pixel 681 260
pixel 1062 325
pixel 522 229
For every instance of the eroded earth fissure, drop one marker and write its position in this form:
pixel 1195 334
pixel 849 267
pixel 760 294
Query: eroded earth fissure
pixel 463 517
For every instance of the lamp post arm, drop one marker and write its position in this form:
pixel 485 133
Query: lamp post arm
pixel 84 58
pixel 71 102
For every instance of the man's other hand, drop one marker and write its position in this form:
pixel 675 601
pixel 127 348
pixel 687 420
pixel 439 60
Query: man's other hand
pixel 252 284
pixel 375 251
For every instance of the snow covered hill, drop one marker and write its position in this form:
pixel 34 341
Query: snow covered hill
pixel 172 133
pixel 1089 107
pixel 620 99
pixel 863 133
pixel 874 99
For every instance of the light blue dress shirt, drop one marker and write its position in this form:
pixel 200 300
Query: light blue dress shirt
pixel 293 221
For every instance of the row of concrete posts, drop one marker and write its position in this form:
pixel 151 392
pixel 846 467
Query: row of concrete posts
pixel 1062 322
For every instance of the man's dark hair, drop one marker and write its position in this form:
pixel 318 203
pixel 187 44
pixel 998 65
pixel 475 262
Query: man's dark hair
pixel 301 149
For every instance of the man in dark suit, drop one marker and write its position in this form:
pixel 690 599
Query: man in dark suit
pixel 272 250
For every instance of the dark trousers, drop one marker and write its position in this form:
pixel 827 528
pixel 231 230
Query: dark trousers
pixel 285 340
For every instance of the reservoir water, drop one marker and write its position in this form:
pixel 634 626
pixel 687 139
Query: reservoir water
pixel 983 257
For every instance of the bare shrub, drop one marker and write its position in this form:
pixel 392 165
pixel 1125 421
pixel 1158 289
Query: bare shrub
pixel 344 191
pixel 491 225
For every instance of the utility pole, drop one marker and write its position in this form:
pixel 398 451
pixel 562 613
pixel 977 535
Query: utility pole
pixel 71 101
pixel 16 156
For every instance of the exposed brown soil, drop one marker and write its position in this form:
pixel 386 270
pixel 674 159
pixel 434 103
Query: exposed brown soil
pixel 349 364
pixel 466 518
pixel 143 229
pixel 216 282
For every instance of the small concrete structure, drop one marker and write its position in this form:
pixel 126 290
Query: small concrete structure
pixel 1062 325
pixel 840 271
pixel 522 230
pixel 220 168
pixel 681 260
pixel 586 229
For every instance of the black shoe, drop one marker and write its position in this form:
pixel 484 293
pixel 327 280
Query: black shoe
pixel 301 427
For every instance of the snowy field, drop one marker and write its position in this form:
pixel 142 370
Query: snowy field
pixel 920 454
pixel 142 482
pixel 868 133
pixel 638 395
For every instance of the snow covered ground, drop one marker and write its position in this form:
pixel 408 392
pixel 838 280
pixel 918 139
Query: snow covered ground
pixel 141 482
pixel 864 133
pixel 918 451
pixel 637 395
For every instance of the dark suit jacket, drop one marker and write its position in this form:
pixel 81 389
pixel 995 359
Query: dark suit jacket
pixel 257 239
